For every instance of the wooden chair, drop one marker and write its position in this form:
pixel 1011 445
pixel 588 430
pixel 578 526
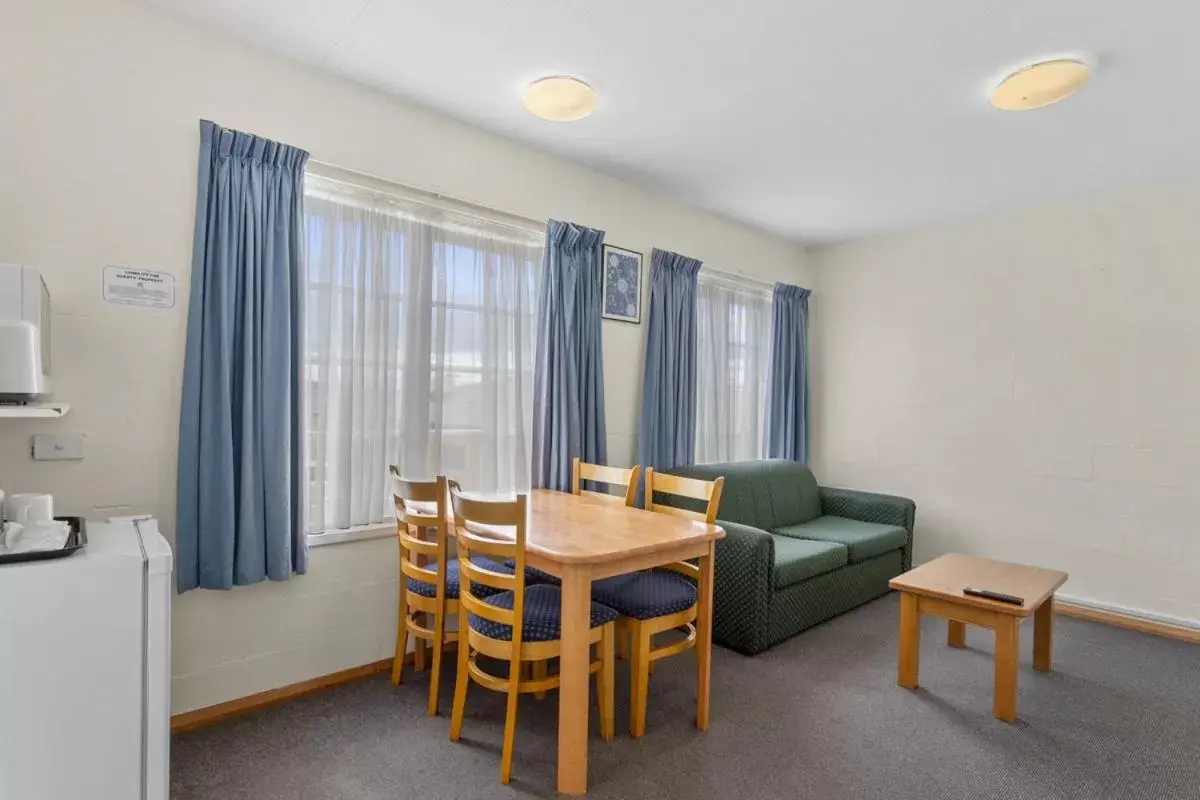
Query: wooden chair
pixel 613 476
pixel 520 624
pixel 660 600
pixel 429 579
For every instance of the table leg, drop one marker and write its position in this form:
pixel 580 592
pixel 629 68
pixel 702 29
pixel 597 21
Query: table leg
pixel 956 633
pixel 910 640
pixel 1043 635
pixel 573 681
pixel 1008 630
pixel 704 624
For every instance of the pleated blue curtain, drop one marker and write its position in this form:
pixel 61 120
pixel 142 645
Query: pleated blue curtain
pixel 786 430
pixel 667 430
pixel 240 501
pixel 568 398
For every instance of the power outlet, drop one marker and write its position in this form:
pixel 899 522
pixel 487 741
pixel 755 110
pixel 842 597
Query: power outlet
pixel 58 447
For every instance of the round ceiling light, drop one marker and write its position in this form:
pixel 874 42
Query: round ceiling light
pixel 1040 85
pixel 560 99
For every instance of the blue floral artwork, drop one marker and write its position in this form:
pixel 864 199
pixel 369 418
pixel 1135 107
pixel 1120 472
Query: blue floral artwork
pixel 622 284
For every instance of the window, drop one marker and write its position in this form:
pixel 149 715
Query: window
pixel 733 340
pixel 419 346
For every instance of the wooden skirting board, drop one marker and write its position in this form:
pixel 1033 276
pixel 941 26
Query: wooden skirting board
pixel 201 717
pixel 1191 635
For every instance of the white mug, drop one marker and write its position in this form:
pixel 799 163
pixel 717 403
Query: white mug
pixel 24 509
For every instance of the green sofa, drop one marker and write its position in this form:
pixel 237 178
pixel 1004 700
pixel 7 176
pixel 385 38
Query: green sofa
pixel 796 554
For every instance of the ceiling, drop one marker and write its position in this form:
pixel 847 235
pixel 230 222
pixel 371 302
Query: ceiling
pixel 819 120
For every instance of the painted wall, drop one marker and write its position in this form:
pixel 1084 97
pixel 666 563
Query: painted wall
pixel 99 110
pixel 1032 382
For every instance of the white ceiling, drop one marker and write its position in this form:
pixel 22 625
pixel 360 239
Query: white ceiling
pixel 819 120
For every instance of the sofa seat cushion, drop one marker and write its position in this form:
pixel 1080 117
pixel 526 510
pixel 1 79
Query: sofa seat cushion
pixel 864 540
pixel 797 560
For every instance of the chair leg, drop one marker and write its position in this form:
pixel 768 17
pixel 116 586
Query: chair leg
pixel 639 678
pixel 510 727
pixel 419 648
pixel 435 676
pixel 460 686
pixel 605 679
pixel 540 670
pixel 401 636
pixel 622 635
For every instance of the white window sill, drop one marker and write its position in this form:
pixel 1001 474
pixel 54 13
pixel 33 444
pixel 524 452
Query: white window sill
pixel 359 533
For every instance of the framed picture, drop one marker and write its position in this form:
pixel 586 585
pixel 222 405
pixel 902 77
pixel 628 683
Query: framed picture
pixel 622 288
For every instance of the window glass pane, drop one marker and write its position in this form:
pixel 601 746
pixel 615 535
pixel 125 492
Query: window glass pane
pixel 419 337
pixel 733 356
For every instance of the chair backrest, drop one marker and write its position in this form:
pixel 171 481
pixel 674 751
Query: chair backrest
pixel 613 476
pixel 693 488
pixel 421 507
pixel 472 520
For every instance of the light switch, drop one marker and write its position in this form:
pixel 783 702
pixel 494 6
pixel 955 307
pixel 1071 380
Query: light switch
pixel 57 446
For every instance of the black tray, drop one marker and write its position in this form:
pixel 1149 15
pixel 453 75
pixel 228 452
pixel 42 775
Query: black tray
pixel 76 540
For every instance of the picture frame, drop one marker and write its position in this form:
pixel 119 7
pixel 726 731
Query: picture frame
pixel 621 289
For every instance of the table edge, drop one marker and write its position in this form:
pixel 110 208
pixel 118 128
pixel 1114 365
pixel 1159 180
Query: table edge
pixel 705 538
pixel 981 602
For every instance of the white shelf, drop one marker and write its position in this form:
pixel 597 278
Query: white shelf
pixel 36 411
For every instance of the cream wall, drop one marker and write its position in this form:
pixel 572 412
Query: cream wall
pixel 1033 381
pixel 99 110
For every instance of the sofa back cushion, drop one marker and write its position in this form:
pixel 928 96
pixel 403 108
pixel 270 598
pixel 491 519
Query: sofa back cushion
pixel 767 494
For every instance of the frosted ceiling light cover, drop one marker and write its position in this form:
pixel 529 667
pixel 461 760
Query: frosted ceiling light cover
pixel 1041 85
pixel 560 99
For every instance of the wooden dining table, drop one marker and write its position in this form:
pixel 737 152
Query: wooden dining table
pixel 581 539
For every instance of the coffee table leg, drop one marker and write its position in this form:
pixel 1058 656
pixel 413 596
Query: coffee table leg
pixel 956 633
pixel 1043 635
pixel 1007 649
pixel 910 641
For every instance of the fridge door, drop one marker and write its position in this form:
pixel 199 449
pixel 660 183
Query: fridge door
pixel 71 672
pixel 157 638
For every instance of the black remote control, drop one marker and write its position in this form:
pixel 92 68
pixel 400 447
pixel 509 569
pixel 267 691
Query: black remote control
pixel 997 596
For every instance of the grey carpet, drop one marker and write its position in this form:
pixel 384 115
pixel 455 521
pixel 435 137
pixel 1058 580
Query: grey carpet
pixel 819 716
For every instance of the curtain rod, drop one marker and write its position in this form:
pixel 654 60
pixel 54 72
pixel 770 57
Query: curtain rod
pixel 733 277
pixel 348 176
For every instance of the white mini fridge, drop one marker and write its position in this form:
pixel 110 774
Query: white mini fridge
pixel 85 669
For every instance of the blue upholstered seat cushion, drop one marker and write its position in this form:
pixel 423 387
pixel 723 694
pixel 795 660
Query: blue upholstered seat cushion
pixel 543 617
pixel 646 595
pixel 452 582
pixel 535 575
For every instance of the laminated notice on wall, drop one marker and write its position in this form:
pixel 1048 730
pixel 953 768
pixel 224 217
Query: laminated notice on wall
pixel 139 287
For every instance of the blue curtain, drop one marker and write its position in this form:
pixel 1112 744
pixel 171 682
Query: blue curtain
pixel 568 399
pixel 787 380
pixel 240 508
pixel 667 431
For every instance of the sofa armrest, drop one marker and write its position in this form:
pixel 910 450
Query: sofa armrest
pixel 745 564
pixel 886 509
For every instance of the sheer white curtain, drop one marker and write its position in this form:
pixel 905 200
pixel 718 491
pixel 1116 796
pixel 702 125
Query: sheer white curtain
pixel 733 340
pixel 419 343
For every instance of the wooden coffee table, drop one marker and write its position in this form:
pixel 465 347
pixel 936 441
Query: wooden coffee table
pixel 936 588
